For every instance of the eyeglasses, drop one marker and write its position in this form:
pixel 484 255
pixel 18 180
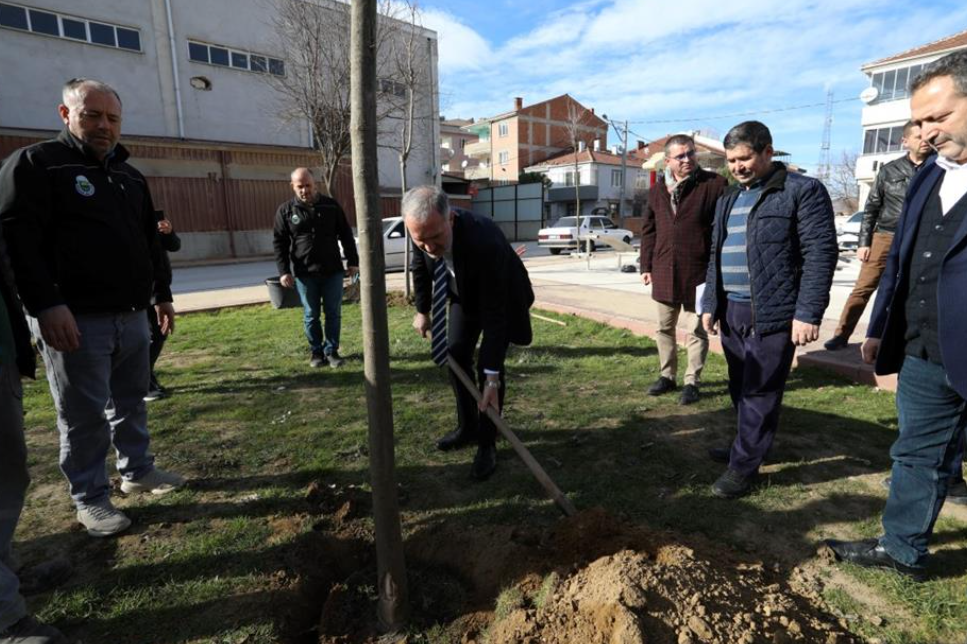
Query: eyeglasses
pixel 690 154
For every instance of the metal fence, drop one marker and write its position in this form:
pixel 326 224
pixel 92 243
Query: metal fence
pixel 517 209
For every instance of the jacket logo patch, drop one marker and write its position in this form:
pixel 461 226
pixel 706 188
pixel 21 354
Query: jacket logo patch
pixel 295 219
pixel 84 187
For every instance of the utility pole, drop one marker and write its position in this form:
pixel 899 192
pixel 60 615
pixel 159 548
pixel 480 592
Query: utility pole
pixel 823 167
pixel 624 173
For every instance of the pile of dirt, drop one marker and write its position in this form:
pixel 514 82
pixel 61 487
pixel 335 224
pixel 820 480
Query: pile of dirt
pixel 676 597
pixel 592 578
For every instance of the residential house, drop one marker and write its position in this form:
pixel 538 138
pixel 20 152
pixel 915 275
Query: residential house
pixel 598 177
pixel 525 136
pixel 888 104
pixel 200 119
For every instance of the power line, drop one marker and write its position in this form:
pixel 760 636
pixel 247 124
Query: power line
pixel 737 114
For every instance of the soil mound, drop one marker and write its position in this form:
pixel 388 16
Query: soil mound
pixel 630 598
pixel 588 579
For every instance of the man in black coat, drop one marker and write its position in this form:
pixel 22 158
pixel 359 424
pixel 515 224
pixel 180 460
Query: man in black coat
pixel 16 360
pixel 467 261
pixel 918 327
pixel 80 229
pixel 308 231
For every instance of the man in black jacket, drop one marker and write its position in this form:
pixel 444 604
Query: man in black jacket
pixel 879 223
pixel 466 259
pixel 771 265
pixel 170 243
pixel 79 225
pixel 16 360
pixel 306 237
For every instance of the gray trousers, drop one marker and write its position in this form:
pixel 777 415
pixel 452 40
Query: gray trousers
pixel 99 391
pixel 13 486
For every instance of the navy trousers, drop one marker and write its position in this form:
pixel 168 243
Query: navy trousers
pixel 463 332
pixel 758 369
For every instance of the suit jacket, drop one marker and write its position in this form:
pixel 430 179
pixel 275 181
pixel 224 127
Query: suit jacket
pixel 492 285
pixel 675 245
pixel 888 321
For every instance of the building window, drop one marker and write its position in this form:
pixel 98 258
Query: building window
pixel 616 181
pixel 894 84
pixel 223 56
pixel 69 27
pixel 390 87
pixel 882 140
pixel 503 158
pixel 503 129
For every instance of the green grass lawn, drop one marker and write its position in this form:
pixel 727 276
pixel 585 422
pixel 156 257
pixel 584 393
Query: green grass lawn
pixel 252 425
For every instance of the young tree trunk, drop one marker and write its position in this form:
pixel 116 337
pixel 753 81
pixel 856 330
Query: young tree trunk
pixel 391 571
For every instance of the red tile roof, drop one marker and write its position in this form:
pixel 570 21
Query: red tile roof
pixel 957 41
pixel 587 156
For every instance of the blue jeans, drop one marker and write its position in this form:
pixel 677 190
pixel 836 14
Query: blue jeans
pixel 328 289
pixel 98 392
pixel 13 486
pixel 932 418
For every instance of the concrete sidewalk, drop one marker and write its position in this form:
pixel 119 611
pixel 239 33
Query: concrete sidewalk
pixel 593 289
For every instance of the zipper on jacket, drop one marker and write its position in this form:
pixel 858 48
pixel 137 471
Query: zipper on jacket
pixel 748 228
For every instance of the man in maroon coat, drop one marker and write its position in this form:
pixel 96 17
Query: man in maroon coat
pixel 675 240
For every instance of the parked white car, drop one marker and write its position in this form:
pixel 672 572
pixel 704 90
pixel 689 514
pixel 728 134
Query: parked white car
pixel 394 243
pixel 563 234
pixel 848 232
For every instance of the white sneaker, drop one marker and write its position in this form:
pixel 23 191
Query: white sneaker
pixel 102 519
pixel 157 481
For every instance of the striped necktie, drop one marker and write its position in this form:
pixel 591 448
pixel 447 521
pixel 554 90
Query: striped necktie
pixel 438 313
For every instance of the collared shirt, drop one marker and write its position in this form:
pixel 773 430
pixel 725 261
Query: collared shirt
pixel 954 183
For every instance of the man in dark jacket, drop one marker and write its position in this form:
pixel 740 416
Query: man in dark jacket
pixel 465 259
pixel 675 239
pixel 308 230
pixel 79 225
pixel 771 266
pixel 16 360
pixel 879 223
pixel 170 243
pixel 919 325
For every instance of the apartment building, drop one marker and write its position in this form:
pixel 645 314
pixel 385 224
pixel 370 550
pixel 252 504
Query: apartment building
pixel 453 142
pixel 525 136
pixel 887 102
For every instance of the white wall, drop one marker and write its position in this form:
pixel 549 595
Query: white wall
pixel 239 108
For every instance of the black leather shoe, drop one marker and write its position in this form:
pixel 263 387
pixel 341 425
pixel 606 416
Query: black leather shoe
pixel 484 462
pixel 662 386
pixel 689 395
pixel 870 554
pixel 455 440
pixel 732 485
pixel 956 491
pixel 836 343
pixel 720 454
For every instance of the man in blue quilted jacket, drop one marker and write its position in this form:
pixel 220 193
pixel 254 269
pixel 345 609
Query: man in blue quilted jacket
pixel 770 270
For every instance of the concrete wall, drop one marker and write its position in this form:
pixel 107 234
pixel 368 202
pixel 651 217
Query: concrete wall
pixel 240 107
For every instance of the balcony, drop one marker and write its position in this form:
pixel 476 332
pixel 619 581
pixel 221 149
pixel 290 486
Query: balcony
pixel 478 149
pixel 477 172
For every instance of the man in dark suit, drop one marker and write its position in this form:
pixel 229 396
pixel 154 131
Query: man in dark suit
pixel 466 259
pixel 918 327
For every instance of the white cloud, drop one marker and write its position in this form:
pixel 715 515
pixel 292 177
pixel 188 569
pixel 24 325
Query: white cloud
pixel 461 48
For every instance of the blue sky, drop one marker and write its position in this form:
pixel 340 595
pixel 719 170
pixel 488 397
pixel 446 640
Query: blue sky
pixel 648 61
